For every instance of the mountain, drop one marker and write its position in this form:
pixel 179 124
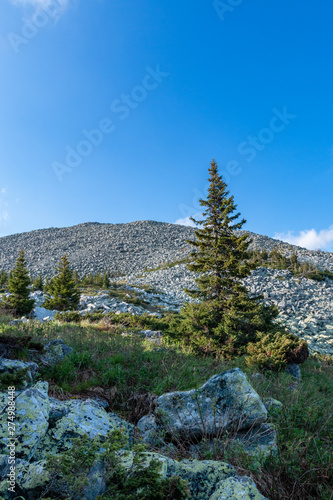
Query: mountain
pixel 120 248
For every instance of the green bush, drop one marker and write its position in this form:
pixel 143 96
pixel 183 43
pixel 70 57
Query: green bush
pixel 275 351
pixel 68 317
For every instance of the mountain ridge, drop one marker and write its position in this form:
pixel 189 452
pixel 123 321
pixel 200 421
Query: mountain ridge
pixel 121 248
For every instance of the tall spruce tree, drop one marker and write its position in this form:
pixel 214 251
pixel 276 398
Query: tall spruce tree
pixel 19 280
pixel 63 289
pixel 226 319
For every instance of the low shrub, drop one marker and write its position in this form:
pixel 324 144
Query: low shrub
pixel 275 351
pixel 68 317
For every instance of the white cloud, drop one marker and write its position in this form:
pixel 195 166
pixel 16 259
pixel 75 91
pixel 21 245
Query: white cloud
pixel 3 190
pixel 310 239
pixel 186 221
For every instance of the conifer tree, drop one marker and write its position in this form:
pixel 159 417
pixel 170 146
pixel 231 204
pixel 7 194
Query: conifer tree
pixel 98 279
pixel 18 285
pixel 62 288
pixel 37 283
pixel 76 277
pixel 3 277
pixel 106 281
pixel 227 318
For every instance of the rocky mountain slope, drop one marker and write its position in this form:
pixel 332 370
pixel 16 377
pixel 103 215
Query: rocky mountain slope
pixel 120 248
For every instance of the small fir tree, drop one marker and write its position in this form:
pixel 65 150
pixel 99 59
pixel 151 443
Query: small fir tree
pixel 227 318
pixel 62 288
pixel 18 285
pixel 76 277
pixel 98 280
pixel 3 278
pixel 106 281
pixel 37 283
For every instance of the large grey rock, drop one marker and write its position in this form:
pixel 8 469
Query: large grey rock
pixel 73 419
pixel 54 352
pixel 205 478
pixel 237 488
pixel 34 479
pixel 31 422
pixel 16 373
pixel 42 314
pixel 259 441
pixel 226 401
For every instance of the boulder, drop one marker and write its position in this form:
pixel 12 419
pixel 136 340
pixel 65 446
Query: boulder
pixel 226 402
pixel 205 478
pixel 16 373
pixel 272 404
pixel 237 488
pixel 55 351
pixel 72 419
pixel 259 441
pixel 42 314
pixel 31 420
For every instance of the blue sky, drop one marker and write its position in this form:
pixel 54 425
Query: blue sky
pixel 111 111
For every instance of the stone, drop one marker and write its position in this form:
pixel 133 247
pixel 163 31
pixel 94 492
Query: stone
pixel 56 351
pixel 42 314
pixel 237 488
pixel 259 442
pixel 272 404
pixel 226 401
pixel 294 370
pixel 148 429
pixel 72 419
pixel 31 421
pixel 206 478
pixel 16 373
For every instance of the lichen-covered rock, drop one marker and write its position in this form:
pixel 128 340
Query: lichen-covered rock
pixel 226 401
pixel 148 429
pixel 203 476
pixel 56 351
pixel 16 373
pixel 72 419
pixel 207 479
pixel 259 442
pixel 237 488
pixel 31 420
pixel 32 479
pixel 272 404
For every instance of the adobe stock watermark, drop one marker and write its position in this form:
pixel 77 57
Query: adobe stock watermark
pixel 249 149
pixel 30 27
pixel 224 7
pixel 123 106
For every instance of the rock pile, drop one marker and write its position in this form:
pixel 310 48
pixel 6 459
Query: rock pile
pixel 306 306
pixel 121 248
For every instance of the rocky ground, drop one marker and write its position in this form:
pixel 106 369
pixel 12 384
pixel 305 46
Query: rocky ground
pixel 306 306
pixel 120 248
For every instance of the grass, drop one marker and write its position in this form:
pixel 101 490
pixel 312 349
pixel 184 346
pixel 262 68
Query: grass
pixel 129 372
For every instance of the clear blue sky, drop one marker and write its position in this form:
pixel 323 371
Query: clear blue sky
pixel 170 84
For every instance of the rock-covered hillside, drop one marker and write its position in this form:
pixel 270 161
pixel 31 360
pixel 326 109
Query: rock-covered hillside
pixel 120 248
